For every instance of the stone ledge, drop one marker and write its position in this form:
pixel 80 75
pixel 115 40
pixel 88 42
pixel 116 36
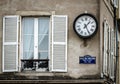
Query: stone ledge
pixel 80 81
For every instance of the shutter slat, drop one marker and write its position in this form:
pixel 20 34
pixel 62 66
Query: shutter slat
pixel 10 25
pixel 9 57
pixel 10 43
pixel 59 43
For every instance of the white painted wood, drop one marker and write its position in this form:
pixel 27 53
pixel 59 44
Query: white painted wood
pixel 112 58
pixel 59 43
pixel 10 43
pixel 105 56
pixel 20 44
pixel 109 49
pixel 35 38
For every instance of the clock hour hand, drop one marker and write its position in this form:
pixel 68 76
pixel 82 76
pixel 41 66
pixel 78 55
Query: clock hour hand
pixel 85 26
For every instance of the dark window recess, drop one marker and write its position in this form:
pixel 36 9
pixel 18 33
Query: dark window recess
pixel 35 64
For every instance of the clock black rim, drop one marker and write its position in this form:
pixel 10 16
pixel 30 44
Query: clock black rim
pixel 84 14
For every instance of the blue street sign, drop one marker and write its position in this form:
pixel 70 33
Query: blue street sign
pixel 87 59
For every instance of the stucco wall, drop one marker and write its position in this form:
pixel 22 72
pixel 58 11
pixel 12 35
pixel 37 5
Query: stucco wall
pixel 76 46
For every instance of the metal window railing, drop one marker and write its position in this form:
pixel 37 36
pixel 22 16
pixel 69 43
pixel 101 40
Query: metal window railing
pixel 34 64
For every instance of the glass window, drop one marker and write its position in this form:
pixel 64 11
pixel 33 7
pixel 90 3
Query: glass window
pixel 43 37
pixel 35 29
pixel 28 36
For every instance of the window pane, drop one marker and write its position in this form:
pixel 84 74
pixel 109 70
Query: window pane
pixel 43 55
pixel 43 42
pixel 43 25
pixel 43 38
pixel 28 55
pixel 28 25
pixel 28 42
pixel 28 38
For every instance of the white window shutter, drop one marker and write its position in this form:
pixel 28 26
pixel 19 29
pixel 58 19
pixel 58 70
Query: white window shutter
pixel 109 48
pixel 112 58
pixel 59 43
pixel 10 43
pixel 105 56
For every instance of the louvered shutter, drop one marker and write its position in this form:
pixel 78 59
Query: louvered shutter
pixel 109 50
pixel 105 56
pixel 10 43
pixel 59 43
pixel 112 58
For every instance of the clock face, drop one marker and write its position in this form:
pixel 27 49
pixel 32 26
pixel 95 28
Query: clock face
pixel 85 25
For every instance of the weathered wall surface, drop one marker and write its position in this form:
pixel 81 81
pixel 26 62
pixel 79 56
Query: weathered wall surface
pixel 106 13
pixel 76 46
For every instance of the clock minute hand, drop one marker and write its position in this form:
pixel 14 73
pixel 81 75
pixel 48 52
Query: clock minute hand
pixel 88 23
pixel 85 25
pixel 86 28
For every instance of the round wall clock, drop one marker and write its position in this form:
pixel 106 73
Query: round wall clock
pixel 85 25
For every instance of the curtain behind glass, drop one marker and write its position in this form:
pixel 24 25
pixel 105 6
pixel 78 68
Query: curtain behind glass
pixel 43 37
pixel 28 38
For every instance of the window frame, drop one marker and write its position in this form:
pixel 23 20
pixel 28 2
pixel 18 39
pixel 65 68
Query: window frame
pixel 21 38
pixel 109 63
pixel 20 43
